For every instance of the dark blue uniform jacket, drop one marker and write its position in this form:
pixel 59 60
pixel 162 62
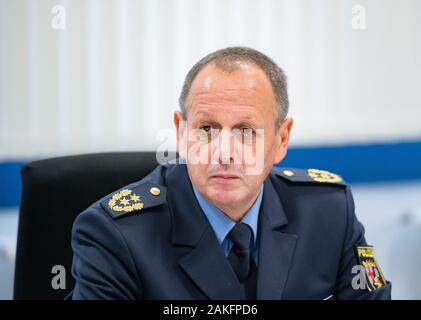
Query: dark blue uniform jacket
pixel 307 237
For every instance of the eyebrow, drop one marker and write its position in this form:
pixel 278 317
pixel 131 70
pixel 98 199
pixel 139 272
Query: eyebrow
pixel 209 114
pixel 245 121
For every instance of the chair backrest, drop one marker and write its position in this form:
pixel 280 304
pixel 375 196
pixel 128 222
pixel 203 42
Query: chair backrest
pixel 54 192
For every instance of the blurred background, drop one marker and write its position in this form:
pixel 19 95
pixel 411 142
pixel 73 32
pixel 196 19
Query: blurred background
pixel 84 76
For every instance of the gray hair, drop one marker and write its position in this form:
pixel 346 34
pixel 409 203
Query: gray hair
pixel 227 59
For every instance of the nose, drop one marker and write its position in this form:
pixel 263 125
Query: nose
pixel 227 148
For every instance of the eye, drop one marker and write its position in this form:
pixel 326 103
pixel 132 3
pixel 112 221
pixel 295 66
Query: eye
pixel 247 131
pixel 206 128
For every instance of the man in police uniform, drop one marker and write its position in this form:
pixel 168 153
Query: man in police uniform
pixel 220 226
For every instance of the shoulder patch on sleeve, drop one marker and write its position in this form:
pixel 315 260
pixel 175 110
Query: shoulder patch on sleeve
pixel 310 176
pixel 132 200
pixel 374 278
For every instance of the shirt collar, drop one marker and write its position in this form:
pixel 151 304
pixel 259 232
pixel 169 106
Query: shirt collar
pixel 222 224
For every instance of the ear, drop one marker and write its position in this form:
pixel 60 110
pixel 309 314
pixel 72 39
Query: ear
pixel 180 126
pixel 283 133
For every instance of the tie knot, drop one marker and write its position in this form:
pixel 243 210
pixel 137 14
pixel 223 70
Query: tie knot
pixel 241 235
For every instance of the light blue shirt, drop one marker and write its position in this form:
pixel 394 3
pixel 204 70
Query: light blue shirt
pixel 222 224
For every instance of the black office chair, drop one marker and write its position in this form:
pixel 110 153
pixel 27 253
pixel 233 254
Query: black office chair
pixel 54 192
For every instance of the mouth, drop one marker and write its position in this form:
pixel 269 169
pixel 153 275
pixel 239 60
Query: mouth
pixel 225 177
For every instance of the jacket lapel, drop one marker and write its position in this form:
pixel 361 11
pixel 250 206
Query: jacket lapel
pixel 276 248
pixel 205 262
pixel 208 267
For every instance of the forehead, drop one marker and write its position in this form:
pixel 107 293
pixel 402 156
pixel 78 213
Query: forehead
pixel 247 84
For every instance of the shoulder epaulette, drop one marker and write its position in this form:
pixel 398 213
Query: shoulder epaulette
pixel 133 199
pixel 309 175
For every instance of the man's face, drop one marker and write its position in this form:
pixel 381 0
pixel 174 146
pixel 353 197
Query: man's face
pixel 229 140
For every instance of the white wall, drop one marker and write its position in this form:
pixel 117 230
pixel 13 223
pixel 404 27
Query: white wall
pixel 112 78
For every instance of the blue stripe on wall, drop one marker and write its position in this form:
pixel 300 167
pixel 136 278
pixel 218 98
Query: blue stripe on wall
pixel 355 163
pixel 10 184
pixel 363 162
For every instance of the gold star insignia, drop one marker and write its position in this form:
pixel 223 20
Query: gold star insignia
pixel 323 176
pixel 119 202
pixel 135 198
pixel 124 202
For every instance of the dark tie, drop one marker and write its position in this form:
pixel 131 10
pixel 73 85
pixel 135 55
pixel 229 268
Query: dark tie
pixel 241 259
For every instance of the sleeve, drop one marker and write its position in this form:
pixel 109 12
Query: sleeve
pixel 354 236
pixel 103 267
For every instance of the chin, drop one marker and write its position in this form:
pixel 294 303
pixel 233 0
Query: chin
pixel 225 197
